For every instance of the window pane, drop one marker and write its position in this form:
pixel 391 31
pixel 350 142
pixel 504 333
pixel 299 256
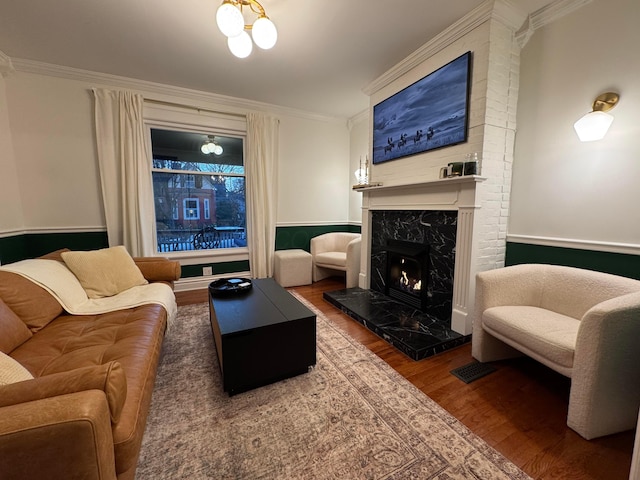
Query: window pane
pixel 202 209
pixel 183 151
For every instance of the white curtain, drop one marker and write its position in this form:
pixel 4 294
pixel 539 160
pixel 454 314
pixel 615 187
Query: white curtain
pixel 125 170
pixel 262 187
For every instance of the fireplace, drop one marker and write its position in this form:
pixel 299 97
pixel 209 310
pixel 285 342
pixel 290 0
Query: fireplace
pixel 407 272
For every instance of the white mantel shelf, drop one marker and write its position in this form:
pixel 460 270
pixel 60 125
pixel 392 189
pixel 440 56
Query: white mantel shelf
pixel 431 183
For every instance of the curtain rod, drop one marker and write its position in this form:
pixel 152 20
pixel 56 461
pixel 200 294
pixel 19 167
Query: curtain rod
pixel 192 107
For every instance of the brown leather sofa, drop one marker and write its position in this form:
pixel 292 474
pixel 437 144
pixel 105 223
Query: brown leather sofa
pixel 84 413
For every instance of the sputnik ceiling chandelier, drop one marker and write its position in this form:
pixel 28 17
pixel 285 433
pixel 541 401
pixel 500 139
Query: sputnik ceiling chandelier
pixel 231 22
pixel 210 146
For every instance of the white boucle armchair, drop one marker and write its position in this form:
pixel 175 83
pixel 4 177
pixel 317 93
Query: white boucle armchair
pixel 336 251
pixel 580 323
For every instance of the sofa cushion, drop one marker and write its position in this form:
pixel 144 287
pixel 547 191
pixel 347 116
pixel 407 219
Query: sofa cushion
pixel 335 259
pixel 132 337
pixel 33 304
pixel 549 335
pixel 105 272
pixel 13 331
pixel 11 371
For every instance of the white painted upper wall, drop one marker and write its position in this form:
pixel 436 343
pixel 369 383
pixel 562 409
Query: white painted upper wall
pixel 11 213
pixel 562 189
pixel 359 147
pixel 53 135
pixel 313 172
pixel 56 184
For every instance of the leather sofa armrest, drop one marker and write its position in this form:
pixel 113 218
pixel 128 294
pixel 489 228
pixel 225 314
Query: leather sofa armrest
pixel 159 269
pixel 52 437
pixel 108 378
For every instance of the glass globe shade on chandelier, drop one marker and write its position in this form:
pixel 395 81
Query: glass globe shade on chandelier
pixel 210 146
pixel 231 22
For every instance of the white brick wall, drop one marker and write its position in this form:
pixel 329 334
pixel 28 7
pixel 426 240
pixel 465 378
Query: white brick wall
pixel 483 207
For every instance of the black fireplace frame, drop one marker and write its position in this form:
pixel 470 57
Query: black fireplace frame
pixel 418 252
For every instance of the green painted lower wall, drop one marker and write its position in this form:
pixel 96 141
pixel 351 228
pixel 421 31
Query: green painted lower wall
pixel 31 245
pixel 20 247
pixel 300 236
pixel 189 271
pixel 622 264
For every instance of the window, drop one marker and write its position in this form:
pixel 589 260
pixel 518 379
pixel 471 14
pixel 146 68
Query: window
pixel 191 209
pixel 199 198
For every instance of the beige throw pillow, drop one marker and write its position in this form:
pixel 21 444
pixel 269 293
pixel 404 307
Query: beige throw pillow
pixel 11 371
pixel 105 272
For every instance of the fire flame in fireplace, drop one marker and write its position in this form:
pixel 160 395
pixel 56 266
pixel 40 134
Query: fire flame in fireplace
pixel 405 282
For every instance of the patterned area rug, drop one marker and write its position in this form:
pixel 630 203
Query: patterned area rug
pixel 352 417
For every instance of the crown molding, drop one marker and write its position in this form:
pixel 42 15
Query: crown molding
pixel 546 15
pixel 148 89
pixel 503 11
pixel 509 14
pixel 6 66
pixel 456 31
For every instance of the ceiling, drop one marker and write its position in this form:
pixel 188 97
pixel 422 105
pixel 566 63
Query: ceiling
pixel 327 50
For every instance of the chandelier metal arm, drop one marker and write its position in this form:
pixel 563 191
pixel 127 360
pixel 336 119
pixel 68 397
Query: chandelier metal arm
pixel 255 7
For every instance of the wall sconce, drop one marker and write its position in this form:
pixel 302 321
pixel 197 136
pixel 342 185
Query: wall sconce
pixel 595 124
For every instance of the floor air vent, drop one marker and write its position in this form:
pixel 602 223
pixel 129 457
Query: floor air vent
pixel 473 371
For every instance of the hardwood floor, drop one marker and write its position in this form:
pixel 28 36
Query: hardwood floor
pixel 520 409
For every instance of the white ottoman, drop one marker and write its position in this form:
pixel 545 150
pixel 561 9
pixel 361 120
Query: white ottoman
pixel 292 268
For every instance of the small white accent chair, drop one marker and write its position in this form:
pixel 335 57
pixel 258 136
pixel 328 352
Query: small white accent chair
pixel 580 323
pixel 336 251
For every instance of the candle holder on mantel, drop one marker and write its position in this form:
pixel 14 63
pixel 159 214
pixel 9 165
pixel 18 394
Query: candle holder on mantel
pixel 362 175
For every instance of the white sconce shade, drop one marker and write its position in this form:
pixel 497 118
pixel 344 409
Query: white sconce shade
pixel 240 45
pixel 230 20
pixel 264 33
pixel 593 126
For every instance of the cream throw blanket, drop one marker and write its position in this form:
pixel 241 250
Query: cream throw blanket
pixel 60 282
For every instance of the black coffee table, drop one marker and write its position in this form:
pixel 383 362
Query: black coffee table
pixel 262 335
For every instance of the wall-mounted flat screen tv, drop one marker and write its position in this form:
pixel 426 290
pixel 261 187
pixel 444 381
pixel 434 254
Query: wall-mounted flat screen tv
pixel 428 114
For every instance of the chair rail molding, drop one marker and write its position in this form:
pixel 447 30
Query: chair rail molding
pixel 611 247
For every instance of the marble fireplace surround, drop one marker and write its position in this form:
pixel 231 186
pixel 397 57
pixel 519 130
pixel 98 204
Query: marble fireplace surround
pixel 454 194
